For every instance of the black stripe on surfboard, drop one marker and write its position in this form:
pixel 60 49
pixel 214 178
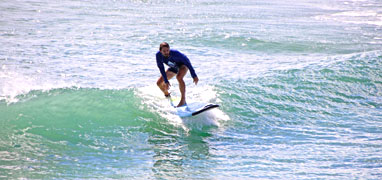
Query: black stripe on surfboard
pixel 205 108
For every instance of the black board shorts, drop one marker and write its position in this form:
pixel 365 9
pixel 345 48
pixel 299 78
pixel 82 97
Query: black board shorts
pixel 175 69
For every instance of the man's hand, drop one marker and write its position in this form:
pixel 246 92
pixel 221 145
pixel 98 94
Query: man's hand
pixel 196 79
pixel 167 86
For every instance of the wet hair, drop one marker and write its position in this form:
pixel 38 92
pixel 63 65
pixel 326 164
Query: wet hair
pixel 162 45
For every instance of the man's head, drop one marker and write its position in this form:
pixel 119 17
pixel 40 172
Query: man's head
pixel 164 48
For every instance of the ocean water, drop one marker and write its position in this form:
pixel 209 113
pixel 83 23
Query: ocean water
pixel 299 84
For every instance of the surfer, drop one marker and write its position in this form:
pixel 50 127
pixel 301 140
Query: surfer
pixel 178 64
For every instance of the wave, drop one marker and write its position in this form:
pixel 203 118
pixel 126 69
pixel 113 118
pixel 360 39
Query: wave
pixel 64 114
pixel 333 103
pixel 340 87
pixel 61 125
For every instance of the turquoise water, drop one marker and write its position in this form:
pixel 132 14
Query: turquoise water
pixel 299 84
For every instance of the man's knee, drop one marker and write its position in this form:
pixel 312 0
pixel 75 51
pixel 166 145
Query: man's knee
pixel 182 72
pixel 159 82
pixel 179 78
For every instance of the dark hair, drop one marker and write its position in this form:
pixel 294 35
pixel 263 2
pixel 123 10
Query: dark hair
pixel 162 45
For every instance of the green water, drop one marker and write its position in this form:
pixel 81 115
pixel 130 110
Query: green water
pixel 299 86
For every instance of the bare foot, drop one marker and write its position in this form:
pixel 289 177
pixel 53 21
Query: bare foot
pixel 181 103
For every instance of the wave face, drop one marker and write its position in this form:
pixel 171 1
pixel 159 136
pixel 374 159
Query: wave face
pixel 299 87
pixel 289 118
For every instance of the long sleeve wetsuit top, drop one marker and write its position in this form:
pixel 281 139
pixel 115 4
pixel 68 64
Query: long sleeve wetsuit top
pixel 175 60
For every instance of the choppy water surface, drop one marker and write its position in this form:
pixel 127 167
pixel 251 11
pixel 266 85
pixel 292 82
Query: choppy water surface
pixel 299 84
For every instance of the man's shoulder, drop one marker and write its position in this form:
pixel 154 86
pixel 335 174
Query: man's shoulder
pixel 158 55
pixel 174 51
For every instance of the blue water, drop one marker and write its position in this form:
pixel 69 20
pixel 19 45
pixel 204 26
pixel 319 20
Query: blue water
pixel 299 84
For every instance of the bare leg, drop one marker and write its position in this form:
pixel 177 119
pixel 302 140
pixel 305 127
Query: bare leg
pixel 182 86
pixel 162 85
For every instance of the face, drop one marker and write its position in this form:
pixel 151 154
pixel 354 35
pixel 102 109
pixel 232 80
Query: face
pixel 165 52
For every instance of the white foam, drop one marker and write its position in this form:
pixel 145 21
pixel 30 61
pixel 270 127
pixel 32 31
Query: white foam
pixel 354 17
pixel 356 13
pixel 209 118
pixel 14 84
pixel 156 101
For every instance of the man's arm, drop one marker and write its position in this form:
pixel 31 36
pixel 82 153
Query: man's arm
pixel 187 62
pixel 161 68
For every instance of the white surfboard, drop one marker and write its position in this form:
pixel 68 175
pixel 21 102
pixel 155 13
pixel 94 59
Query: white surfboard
pixel 193 109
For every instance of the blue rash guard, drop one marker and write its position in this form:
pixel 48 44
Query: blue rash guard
pixel 175 60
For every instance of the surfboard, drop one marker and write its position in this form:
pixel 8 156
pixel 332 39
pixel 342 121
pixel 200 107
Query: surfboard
pixel 193 109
